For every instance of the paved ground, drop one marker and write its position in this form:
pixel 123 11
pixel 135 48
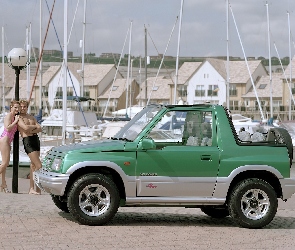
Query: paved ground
pixel 33 222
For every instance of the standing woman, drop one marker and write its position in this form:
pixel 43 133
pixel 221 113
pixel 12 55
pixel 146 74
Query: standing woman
pixel 10 127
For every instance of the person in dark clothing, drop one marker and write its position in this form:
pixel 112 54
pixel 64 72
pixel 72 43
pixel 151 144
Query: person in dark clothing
pixel 28 128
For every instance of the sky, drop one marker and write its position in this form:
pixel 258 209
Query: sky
pixel 203 29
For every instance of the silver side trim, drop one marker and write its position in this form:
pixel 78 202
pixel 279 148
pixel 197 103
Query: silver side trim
pixel 288 187
pixel 129 181
pixel 165 186
pixel 223 183
pixel 177 201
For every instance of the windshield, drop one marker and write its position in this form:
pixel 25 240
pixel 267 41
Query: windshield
pixel 131 130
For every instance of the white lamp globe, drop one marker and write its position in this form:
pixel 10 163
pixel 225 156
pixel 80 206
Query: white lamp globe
pixel 17 57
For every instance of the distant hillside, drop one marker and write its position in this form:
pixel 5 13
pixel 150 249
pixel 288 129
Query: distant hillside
pixel 169 62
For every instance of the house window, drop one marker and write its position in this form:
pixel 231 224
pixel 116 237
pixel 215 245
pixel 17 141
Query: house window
pixel 213 90
pixel 45 91
pixel 232 90
pixel 102 103
pixel 86 91
pixel 182 91
pixel 69 91
pixel 262 86
pixel 59 93
pixel 200 90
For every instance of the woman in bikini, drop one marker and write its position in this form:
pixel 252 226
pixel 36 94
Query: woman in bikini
pixel 10 127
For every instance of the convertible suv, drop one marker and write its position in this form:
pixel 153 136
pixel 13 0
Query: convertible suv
pixel 173 155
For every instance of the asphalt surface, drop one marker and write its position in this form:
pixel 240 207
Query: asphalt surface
pixel 34 222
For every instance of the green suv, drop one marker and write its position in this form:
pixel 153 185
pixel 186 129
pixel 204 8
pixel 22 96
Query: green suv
pixel 173 155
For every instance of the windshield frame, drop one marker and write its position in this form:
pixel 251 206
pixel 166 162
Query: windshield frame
pixel 139 122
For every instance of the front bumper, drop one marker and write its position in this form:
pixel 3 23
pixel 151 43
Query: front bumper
pixel 51 182
pixel 288 187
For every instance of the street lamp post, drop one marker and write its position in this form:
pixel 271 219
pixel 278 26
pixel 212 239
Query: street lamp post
pixel 17 60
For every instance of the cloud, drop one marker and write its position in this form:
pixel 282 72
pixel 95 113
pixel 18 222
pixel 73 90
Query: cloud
pixel 203 29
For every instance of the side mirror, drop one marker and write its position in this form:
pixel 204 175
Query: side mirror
pixel 146 144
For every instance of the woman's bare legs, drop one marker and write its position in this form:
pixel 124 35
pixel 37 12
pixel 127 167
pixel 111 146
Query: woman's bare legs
pixel 3 183
pixel 5 154
pixel 35 165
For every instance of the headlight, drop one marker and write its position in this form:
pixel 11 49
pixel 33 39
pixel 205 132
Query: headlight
pixel 56 164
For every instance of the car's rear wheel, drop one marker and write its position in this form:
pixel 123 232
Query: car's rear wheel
pixel 253 203
pixel 93 199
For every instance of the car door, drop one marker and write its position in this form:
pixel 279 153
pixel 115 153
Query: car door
pixel 173 169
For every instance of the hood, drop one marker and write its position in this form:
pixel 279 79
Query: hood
pixel 92 146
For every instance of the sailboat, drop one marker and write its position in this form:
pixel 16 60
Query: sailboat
pixel 67 122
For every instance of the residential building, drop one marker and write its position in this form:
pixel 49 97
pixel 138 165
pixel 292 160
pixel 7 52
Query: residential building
pixel 263 89
pixel 185 74
pixel 114 97
pixel 110 55
pixel 197 82
pixel 8 78
pixel 288 78
pixel 56 53
pixel 97 77
pixel 157 91
pixel 206 81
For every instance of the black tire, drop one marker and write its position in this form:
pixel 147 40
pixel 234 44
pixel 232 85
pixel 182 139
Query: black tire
pixel 282 136
pixel 244 202
pixel 215 212
pixel 93 199
pixel 62 205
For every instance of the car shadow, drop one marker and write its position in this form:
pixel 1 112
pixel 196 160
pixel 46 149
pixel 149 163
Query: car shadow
pixel 166 219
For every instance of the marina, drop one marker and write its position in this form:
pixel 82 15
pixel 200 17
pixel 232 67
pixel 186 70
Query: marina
pixel 78 101
pixel 156 116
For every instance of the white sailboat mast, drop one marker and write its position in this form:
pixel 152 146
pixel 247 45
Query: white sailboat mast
pixel 65 65
pixel 83 48
pixel 146 62
pixel 3 77
pixel 28 38
pixel 128 69
pixel 290 65
pixel 227 55
pixel 253 85
pixel 269 63
pixel 177 55
pixel 40 55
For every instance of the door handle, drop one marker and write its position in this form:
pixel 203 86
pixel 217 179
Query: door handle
pixel 206 157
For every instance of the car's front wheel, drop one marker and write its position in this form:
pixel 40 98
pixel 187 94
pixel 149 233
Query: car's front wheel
pixel 253 203
pixel 93 199
pixel 62 205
